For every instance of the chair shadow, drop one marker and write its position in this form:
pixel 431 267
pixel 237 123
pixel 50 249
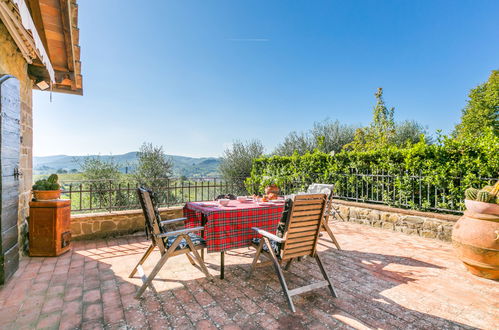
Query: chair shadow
pixel 360 279
pixel 360 305
pixel 374 269
pixel 376 263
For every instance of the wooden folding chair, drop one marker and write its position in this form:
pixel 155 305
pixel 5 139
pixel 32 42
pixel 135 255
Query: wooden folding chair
pixel 169 243
pixel 299 239
pixel 330 209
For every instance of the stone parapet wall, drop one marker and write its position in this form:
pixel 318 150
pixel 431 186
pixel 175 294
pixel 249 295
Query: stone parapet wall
pixel 424 224
pixel 93 225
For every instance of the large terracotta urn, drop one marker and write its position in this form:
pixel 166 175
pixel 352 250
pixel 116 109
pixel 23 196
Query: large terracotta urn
pixel 476 241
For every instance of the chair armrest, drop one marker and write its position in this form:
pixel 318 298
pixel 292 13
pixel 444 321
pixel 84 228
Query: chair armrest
pixel 268 235
pixel 167 222
pixel 181 231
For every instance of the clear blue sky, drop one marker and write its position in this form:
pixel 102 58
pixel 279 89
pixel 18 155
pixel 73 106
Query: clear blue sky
pixel 195 75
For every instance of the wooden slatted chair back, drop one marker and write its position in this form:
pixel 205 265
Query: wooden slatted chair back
pixel 152 222
pixel 323 189
pixel 303 225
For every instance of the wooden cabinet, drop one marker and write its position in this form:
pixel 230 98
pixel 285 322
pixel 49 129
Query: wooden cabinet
pixel 49 227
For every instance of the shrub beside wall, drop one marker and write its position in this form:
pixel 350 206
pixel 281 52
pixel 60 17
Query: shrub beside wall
pixel 450 166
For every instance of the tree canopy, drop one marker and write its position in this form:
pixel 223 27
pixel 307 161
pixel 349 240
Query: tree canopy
pixel 152 166
pixel 326 136
pixel 384 132
pixel 237 161
pixel 94 168
pixel 481 114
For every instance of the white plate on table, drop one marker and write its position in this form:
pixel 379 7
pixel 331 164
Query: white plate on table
pixel 208 204
pixel 265 203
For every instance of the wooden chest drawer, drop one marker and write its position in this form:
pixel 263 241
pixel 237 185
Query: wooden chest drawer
pixel 49 227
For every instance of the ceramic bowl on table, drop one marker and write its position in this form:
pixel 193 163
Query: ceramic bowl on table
pixel 224 201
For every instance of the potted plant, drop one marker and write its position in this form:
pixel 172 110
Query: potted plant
pixel 47 189
pixel 475 235
pixel 485 200
pixel 270 184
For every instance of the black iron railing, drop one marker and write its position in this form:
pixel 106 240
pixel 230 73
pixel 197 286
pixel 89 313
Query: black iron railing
pixel 403 190
pixel 400 190
pixel 115 195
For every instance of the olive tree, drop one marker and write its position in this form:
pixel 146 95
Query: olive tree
pixel 410 132
pixel 295 142
pixel 102 177
pixel 326 136
pixel 331 136
pixel 237 162
pixel 153 166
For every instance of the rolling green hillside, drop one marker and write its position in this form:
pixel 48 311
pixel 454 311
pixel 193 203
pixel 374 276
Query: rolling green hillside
pixel 188 166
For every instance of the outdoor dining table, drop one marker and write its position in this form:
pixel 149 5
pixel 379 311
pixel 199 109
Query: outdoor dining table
pixel 229 227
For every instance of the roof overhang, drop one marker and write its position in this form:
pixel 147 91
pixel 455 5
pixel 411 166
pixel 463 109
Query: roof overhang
pixel 17 18
pixel 47 34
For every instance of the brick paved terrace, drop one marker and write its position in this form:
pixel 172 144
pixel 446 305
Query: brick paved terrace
pixel 384 280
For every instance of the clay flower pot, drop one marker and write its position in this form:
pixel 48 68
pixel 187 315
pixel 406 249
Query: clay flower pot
pixel 475 238
pixel 46 195
pixel 481 207
pixel 272 189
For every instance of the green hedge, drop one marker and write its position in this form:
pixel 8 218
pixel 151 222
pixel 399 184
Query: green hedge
pixel 448 167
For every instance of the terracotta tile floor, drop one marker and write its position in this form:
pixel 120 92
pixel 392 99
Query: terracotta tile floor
pixel 384 280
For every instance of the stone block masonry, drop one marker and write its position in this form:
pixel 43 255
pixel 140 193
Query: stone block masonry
pixel 93 225
pixel 424 224
pixel 13 63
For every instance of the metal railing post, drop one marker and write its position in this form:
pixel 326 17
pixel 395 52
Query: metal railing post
pixel 110 196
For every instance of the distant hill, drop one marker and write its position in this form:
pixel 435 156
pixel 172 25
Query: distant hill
pixel 187 166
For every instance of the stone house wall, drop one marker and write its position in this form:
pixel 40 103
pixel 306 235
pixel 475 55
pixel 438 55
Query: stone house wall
pixel 425 224
pixel 93 225
pixel 13 63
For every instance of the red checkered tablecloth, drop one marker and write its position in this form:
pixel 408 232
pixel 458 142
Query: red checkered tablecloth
pixel 230 227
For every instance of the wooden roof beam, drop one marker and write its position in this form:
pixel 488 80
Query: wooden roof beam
pixel 67 27
pixel 36 14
